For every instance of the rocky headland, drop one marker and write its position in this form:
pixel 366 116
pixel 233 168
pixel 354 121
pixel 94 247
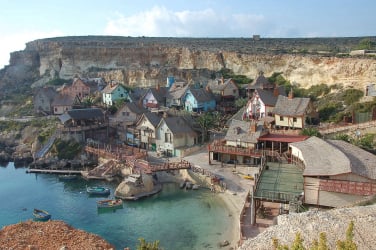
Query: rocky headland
pixel 52 234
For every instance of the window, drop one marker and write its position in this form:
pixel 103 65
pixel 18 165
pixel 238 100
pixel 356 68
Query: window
pixel 168 137
pixel 294 119
pixel 281 118
pixel 234 91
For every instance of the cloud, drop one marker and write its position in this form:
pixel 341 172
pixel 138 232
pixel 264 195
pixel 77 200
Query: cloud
pixel 160 21
pixel 17 41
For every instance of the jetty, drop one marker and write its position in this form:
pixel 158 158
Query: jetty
pixel 52 171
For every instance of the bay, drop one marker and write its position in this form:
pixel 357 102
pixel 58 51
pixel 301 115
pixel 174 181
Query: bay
pixel 179 219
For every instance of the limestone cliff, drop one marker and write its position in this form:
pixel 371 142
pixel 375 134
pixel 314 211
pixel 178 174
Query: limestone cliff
pixel 148 61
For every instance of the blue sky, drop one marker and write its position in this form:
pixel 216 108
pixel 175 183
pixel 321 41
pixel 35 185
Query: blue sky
pixel 26 20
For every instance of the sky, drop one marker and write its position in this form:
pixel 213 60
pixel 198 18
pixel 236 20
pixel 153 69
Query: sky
pixel 23 21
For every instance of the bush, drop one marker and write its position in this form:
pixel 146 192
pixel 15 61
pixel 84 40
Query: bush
pixel 66 149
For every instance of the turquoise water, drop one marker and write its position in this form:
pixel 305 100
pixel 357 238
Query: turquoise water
pixel 179 219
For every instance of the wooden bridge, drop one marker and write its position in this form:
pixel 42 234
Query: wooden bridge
pixel 142 166
pixel 134 158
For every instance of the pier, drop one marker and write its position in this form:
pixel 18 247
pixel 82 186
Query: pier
pixel 52 171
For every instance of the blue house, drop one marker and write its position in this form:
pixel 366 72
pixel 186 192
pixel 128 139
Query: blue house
pixel 199 99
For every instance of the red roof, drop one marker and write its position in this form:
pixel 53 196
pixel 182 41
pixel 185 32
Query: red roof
pixel 283 138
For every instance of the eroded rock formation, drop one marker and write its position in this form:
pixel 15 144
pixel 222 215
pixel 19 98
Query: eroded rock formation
pixel 148 61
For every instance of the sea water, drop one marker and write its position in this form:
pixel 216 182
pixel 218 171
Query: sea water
pixel 178 218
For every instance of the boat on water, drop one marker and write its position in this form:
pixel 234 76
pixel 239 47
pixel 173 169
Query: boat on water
pixel 116 203
pixel 67 177
pixel 98 190
pixel 41 215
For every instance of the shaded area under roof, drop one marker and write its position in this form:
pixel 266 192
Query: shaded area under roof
pixel 280 182
pixel 82 114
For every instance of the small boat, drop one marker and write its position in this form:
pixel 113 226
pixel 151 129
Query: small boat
pixel 118 203
pixel 41 215
pixel 67 177
pixel 248 177
pixel 195 186
pixel 98 190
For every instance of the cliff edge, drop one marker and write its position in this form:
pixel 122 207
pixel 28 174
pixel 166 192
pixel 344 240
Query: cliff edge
pixel 146 61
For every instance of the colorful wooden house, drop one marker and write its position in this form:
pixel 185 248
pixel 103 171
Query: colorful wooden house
pixel 290 112
pixel 262 103
pixel 155 97
pixel 113 92
pixel 199 99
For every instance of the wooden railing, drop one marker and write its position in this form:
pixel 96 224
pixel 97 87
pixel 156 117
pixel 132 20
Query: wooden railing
pixel 216 147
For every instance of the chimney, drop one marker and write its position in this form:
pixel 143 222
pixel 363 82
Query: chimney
pixel 222 80
pixel 253 126
pixel 275 91
pixel 157 88
pixel 291 94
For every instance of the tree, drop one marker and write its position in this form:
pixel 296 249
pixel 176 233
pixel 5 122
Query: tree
pixel 310 132
pixel 366 43
pixel 348 244
pixel 240 102
pixel 206 121
pixel 298 243
pixel 147 245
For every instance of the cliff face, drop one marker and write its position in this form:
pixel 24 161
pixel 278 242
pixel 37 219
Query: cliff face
pixel 148 61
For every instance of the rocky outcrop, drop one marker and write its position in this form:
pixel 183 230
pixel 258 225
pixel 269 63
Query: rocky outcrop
pixel 49 235
pixel 148 61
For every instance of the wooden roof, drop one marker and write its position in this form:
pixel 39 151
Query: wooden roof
pixel 286 106
pixel 334 157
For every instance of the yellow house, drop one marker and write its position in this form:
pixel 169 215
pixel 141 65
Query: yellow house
pixel 290 112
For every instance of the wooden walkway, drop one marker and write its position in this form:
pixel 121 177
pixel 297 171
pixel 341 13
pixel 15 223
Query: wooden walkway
pixel 52 171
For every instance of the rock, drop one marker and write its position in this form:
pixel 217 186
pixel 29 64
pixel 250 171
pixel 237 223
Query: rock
pixel 224 243
pixel 56 235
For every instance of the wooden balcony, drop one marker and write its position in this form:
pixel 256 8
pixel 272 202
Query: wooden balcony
pixel 220 148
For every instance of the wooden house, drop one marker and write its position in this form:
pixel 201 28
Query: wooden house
pixel 113 92
pixel 260 82
pixel 63 103
pixel 199 99
pixel 226 92
pixel 84 123
pixel 240 144
pixel 125 121
pixel 175 95
pixel 174 135
pixel 336 173
pixel 290 112
pixel 43 99
pixel 262 103
pixel 155 97
pixel 147 125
